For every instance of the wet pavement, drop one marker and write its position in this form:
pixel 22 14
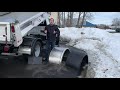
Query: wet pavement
pixel 11 67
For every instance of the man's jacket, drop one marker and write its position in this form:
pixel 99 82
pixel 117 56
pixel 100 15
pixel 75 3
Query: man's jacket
pixel 51 36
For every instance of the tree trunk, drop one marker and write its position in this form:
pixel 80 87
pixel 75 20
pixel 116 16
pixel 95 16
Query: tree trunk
pixel 59 19
pixel 71 18
pixel 68 20
pixel 64 19
pixel 84 14
pixel 78 22
pixel 68 15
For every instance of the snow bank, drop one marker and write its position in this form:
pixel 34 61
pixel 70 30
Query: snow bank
pixel 102 48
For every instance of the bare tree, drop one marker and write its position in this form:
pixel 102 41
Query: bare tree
pixel 71 18
pixel 86 16
pixel 78 22
pixel 59 23
pixel 116 22
pixel 68 20
pixel 64 19
pixel 68 15
pixel 83 19
pixel 89 16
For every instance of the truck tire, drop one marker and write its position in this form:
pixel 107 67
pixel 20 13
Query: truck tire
pixel 34 58
pixel 36 52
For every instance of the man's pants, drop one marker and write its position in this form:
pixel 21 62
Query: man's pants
pixel 49 46
pixel 57 41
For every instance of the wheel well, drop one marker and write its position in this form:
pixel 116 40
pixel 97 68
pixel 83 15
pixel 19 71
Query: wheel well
pixel 84 62
pixel 83 67
pixel 40 41
pixel 65 55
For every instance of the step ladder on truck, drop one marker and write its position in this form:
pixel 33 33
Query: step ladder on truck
pixel 21 33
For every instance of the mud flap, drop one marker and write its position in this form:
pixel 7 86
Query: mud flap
pixel 34 60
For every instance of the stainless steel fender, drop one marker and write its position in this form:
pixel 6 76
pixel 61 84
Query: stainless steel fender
pixel 24 50
pixel 58 54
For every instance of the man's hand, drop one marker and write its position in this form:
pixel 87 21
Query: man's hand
pixel 56 35
pixel 45 31
pixel 54 32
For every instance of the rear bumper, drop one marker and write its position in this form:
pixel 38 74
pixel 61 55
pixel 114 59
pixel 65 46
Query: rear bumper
pixel 7 55
pixel 7 58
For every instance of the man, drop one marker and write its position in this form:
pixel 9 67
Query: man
pixel 58 38
pixel 52 32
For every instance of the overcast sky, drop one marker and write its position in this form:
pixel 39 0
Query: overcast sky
pixel 99 17
pixel 104 17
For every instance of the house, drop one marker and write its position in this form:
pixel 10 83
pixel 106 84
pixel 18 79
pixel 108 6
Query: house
pixel 88 24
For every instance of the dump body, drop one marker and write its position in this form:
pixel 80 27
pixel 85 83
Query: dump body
pixel 20 16
pixel 23 22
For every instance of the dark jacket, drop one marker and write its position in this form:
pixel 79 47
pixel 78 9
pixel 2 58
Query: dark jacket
pixel 50 29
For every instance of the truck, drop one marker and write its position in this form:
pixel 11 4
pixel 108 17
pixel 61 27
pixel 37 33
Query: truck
pixel 21 33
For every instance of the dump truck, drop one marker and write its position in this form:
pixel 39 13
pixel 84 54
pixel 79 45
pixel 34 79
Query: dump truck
pixel 21 33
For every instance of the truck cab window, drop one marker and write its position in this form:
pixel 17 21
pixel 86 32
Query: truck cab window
pixel 43 23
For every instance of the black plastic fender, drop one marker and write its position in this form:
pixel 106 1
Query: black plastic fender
pixel 75 58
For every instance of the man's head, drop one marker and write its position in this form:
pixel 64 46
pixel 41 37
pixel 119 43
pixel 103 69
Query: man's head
pixel 51 21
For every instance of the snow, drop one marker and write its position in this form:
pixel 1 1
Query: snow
pixel 101 46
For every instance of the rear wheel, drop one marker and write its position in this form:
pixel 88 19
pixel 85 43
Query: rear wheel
pixel 34 58
pixel 36 49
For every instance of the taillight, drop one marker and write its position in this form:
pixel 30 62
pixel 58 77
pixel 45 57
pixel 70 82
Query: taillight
pixel 12 28
pixel 6 48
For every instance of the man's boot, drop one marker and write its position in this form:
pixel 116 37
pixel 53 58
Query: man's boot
pixel 45 61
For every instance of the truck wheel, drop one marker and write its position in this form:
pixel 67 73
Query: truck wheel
pixel 34 58
pixel 36 49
